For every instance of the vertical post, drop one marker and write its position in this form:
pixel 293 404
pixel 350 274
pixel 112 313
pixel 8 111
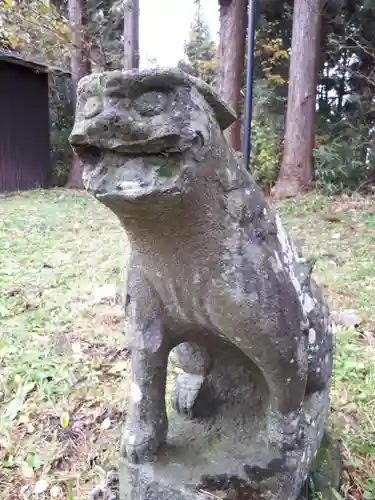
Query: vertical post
pixel 249 84
pixel 135 34
pixel 131 34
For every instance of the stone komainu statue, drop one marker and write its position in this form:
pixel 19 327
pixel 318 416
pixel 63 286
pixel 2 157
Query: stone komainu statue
pixel 215 277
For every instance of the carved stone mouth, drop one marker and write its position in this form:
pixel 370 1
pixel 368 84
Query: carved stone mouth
pixel 112 177
pixel 88 153
pixel 135 193
pixel 165 146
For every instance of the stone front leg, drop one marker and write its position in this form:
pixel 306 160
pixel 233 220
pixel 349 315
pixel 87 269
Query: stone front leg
pixel 146 424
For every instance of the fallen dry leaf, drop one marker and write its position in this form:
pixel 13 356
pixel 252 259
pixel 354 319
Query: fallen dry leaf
pixel 27 471
pixel 40 486
pixel 24 419
pixel 106 424
pixel 118 367
pixel 76 347
pixel 56 491
pixel 23 491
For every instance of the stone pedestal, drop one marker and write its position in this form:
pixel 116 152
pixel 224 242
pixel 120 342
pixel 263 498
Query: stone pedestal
pixel 225 462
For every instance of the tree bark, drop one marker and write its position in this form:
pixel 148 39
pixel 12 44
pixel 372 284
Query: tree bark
pixel 131 34
pixel 80 67
pixel 296 172
pixel 233 24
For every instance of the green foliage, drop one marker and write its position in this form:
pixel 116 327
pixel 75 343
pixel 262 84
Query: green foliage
pixel 57 344
pixel 200 51
pixel 47 307
pixel 265 154
pixel 343 162
pixel 346 83
pixel 105 28
pixel 271 54
pixel 348 283
pixel 61 123
pixel 348 53
pixel 35 29
pixel 39 29
pixel 267 134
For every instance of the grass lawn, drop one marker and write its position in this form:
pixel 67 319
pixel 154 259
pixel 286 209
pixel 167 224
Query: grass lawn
pixel 63 356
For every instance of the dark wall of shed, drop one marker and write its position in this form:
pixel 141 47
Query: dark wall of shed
pixel 24 128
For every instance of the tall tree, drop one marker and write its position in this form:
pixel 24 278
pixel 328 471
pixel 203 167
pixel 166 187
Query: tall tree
pixel 80 67
pixel 296 172
pixel 106 28
pixel 131 34
pixel 233 23
pixel 200 50
pixel 79 52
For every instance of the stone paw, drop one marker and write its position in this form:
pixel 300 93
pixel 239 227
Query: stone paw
pixel 185 393
pixel 141 445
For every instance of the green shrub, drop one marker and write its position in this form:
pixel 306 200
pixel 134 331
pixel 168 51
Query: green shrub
pixel 61 123
pixel 265 154
pixel 267 133
pixel 344 164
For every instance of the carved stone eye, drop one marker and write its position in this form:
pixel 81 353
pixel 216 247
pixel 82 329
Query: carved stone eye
pixel 151 103
pixel 92 107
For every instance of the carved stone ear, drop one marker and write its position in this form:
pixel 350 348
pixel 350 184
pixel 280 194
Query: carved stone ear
pixel 225 115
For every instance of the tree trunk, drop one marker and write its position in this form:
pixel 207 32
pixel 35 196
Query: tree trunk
pixel 80 66
pixel 296 173
pixel 131 34
pixel 233 24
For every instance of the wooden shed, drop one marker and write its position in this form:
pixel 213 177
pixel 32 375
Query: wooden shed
pixel 24 124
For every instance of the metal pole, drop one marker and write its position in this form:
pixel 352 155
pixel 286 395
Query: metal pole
pixel 249 84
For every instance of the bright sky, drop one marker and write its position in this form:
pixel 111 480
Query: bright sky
pixel 165 25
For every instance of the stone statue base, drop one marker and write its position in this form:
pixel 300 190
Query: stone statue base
pixel 222 462
pixel 326 470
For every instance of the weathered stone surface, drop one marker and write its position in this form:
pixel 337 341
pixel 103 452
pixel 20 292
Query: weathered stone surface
pixel 214 276
pixel 325 473
pixel 327 467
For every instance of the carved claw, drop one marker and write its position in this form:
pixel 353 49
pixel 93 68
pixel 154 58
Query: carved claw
pixel 185 393
pixel 141 445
